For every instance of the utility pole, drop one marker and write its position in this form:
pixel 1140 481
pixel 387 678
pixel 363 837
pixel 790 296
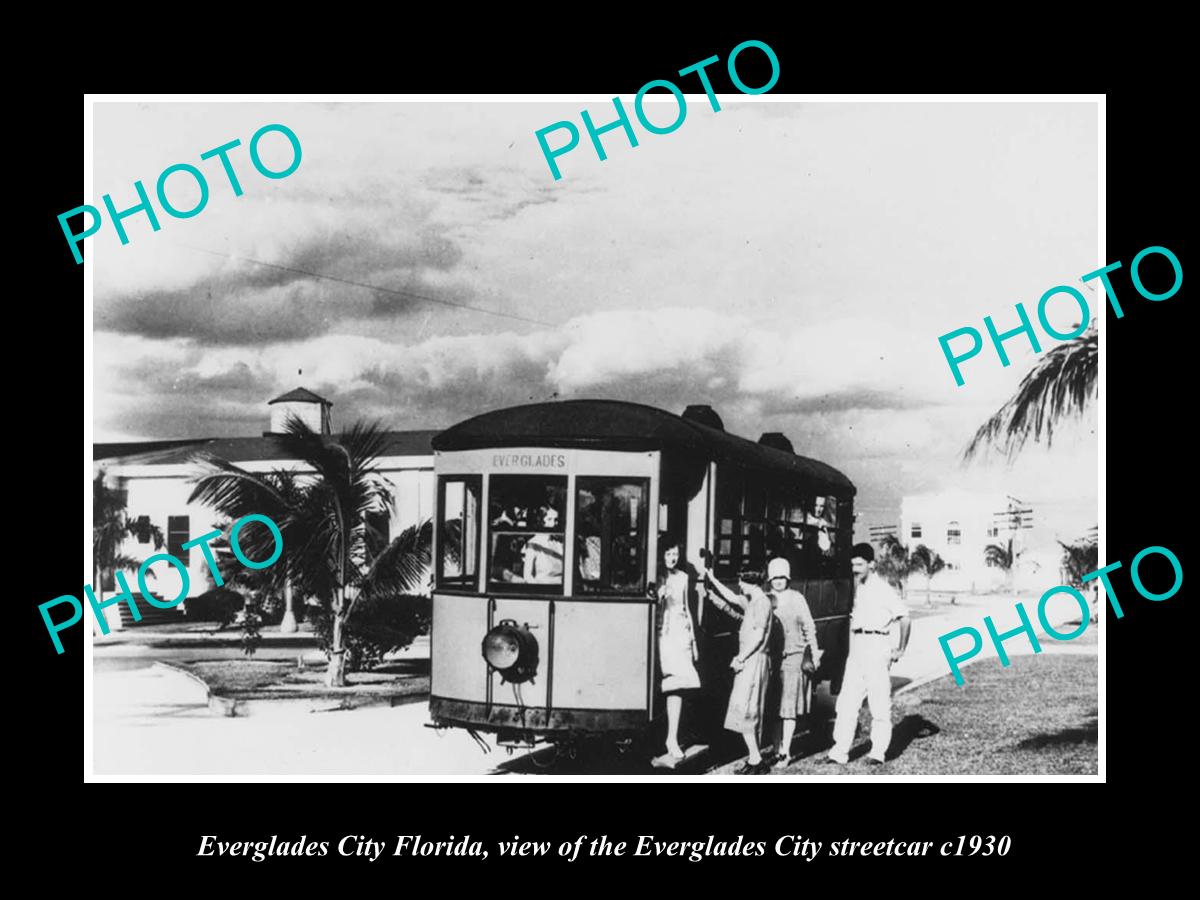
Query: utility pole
pixel 1014 520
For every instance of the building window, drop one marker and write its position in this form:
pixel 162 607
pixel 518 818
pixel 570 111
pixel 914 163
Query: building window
pixel 458 538
pixel 528 517
pixel 143 529
pixel 953 533
pixel 610 535
pixel 993 530
pixel 178 534
pixel 916 530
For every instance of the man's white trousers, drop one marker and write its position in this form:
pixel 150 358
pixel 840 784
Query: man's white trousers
pixel 866 676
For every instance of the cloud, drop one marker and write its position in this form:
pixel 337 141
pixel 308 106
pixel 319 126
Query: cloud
pixel 888 439
pixel 288 259
pixel 665 357
pixel 790 264
pixel 245 300
pixel 498 193
pixel 607 346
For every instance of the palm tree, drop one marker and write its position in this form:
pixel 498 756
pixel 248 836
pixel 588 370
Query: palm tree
pixel 894 563
pixel 111 527
pixel 1079 560
pixel 332 550
pixel 1000 555
pixel 1062 383
pixel 928 563
pixel 273 494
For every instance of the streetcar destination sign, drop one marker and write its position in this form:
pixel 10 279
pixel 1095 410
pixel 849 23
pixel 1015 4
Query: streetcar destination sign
pixel 529 460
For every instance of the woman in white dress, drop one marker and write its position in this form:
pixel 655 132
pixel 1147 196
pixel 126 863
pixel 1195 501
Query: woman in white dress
pixel 677 651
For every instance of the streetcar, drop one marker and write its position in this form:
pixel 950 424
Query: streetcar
pixel 550 517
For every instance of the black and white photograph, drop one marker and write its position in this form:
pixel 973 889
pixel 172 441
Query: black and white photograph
pixel 477 438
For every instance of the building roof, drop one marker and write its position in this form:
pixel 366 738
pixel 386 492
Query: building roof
pixel 303 395
pixel 616 425
pixel 129 448
pixel 241 449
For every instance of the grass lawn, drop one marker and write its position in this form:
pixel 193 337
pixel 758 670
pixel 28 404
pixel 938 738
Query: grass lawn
pixel 247 679
pixel 233 676
pixel 1035 717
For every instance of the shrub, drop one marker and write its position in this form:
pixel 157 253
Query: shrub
pixel 377 627
pixel 270 609
pixel 218 605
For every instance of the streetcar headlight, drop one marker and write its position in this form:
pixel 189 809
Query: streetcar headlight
pixel 511 650
pixel 501 648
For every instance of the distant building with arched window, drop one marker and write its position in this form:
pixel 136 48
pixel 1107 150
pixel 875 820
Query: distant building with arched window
pixel 959 524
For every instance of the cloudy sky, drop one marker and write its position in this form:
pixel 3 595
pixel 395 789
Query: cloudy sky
pixel 792 264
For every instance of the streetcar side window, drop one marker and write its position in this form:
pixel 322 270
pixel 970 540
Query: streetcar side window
pixel 527 519
pixel 745 535
pixel 610 534
pixel 730 487
pixel 458 534
pixel 759 536
pixel 832 526
pixel 758 518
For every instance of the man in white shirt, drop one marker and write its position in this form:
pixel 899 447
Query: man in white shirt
pixel 876 607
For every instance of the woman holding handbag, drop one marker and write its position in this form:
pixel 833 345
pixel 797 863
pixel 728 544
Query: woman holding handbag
pixel 801 654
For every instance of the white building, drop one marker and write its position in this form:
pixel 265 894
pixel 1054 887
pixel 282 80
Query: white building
pixel 960 524
pixel 156 479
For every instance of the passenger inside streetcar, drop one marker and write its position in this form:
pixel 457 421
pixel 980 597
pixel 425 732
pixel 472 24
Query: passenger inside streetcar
pixel 527 543
pixel 542 555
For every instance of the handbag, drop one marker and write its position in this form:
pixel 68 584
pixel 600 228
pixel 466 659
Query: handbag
pixel 807 665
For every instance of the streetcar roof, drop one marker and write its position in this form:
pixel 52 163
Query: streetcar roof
pixel 618 425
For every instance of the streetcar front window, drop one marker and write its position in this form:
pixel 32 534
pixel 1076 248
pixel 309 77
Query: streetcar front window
pixel 458 535
pixel 610 535
pixel 527 517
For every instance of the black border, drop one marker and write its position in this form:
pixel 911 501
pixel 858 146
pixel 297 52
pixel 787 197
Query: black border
pixel 1066 830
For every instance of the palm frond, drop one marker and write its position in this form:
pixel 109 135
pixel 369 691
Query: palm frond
pixel 133 529
pixel 122 561
pixel 364 443
pixel 925 561
pixel 233 491
pixel 894 562
pixel 400 567
pixel 1061 384
pixel 107 504
pixel 1079 560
